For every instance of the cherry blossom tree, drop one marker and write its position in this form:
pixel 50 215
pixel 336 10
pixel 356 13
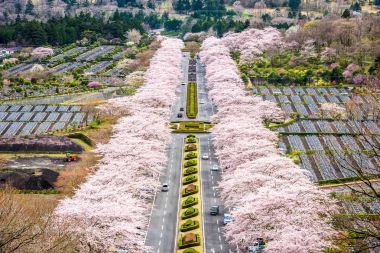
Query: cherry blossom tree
pixel 42 52
pixel 111 209
pixel 272 197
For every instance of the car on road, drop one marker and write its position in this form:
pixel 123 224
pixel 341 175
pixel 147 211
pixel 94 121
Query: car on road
pixel 227 218
pixel 181 109
pixel 205 157
pixel 257 246
pixel 165 187
pixel 215 168
pixel 214 210
pixel 183 83
pixel 179 115
pixel 202 102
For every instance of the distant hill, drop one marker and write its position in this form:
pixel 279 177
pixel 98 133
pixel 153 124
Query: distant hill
pixel 44 9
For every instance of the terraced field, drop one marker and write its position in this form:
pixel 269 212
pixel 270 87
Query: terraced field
pixel 40 119
pixel 327 147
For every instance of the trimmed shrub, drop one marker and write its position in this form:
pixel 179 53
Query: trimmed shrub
pixel 190 163
pixel 189 190
pixel 189 213
pixel 189 225
pixel 189 179
pixel 191 140
pixel 190 170
pixel 190 136
pixel 190 147
pixel 189 201
pixel 190 250
pixel 191 155
pixel 189 240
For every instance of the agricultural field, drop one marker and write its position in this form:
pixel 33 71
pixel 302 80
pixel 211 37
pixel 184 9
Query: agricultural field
pixel 22 120
pixel 325 145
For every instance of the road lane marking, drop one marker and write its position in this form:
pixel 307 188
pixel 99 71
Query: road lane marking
pixel 221 247
pixel 217 222
pixel 161 235
pixel 162 227
pixel 218 230
pixel 219 238
pixel 159 243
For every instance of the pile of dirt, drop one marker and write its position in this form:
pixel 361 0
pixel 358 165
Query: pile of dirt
pixel 45 143
pixel 39 179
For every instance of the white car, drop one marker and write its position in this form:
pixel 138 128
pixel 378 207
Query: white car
pixel 201 102
pixel 205 157
pixel 215 168
pixel 227 218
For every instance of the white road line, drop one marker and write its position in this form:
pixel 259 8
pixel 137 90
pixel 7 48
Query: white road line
pixel 220 238
pixel 221 247
pixel 217 222
pixel 162 227
pixel 218 230
pixel 159 243
pixel 214 194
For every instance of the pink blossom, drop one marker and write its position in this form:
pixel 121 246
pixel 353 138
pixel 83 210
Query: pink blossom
pixel 93 84
pixel 42 52
pixel 358 79
pixel 272 197
pixel 347 74
pixel 112 208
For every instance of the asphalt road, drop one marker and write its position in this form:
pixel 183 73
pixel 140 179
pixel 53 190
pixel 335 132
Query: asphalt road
pixel 162 231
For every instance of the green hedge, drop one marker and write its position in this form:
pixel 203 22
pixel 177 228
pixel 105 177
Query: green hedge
pixel 189 179
pixel 190 170
pixel 190 163
pixel 189 201
pixel 189 213
pixel 81 137
pixel 190 244
pixel 190 250
pixel 191 140
pixel 185 193
pixel 189 225
pixel 346 179
pixel 192 101
pixel 191 155
pixel 190 136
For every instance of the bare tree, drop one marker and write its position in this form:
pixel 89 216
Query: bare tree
pixel 363 228
pixel 28 225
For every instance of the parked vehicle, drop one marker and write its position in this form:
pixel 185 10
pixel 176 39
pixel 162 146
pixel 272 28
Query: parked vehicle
pixel 183 83
pixel 181 109
pixel 179 115
pixel 215 168
pixel 165 187
pixel 71 158
pixel 257 246
pixel 214 210
pixel 227 218
pixel 201 102
pixel 205 157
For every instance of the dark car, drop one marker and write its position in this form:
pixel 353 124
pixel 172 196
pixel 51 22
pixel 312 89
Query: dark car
pixel 181 109
pixel 214 210
pixel 179 115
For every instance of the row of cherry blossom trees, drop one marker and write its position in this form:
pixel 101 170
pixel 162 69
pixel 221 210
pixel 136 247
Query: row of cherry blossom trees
pixel 112 208
pixel 271 197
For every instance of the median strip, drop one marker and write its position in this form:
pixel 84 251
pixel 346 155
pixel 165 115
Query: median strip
pixel 192 101
pixel 190 234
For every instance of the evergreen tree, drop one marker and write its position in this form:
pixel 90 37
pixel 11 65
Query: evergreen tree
pixel 151 4
pixel 377 2
pixel 346 13
pixel 294 8
pixel 356 7
pixel 29 7
pixel 198 5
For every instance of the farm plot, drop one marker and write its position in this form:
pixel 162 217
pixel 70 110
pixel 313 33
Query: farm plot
pixel 324 143
pixel 39 119
pixel 338 165
pixel 350 127
pixel 66 67
pixel 96 68
pixel 68 53
pixel 19 68
pixel 94 53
